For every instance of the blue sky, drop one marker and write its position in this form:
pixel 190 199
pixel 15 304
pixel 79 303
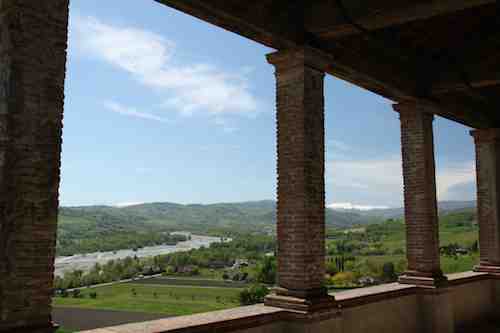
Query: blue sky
pixel 163 107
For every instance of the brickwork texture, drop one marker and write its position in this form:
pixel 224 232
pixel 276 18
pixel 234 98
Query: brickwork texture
pixel 422 230
pixel 33 39
pixel 487 143
pixel 301 187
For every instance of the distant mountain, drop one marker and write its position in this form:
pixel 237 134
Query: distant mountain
pixel 443 207
pixel 243 215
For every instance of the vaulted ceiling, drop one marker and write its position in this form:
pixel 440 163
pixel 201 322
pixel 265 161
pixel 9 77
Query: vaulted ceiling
pixel 442 53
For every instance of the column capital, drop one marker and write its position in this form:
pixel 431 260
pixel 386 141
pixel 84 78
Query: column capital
pixel 412 108
pixel 485 135
pixel 300 57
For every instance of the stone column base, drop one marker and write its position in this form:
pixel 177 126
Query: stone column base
pixel 487 268
pixel 424 281
pixel 303 301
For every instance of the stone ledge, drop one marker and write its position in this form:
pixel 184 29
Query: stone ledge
pixel 373 294
pixel 467 277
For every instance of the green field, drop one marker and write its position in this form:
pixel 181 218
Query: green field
pixel 193 282
pixel 169 300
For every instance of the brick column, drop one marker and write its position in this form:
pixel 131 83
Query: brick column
pixel 32 70
pixel 487 143
pixel 301 188
pixel 421 218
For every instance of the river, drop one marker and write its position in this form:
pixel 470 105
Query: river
pixel 88 260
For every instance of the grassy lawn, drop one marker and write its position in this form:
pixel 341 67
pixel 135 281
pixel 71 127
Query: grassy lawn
pixel 170 300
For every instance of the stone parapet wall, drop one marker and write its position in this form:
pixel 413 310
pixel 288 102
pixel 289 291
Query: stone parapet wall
pixel 470 298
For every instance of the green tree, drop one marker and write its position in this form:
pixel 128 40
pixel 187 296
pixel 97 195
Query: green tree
pixel 266 271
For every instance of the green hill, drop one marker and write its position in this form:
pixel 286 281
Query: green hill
pixel 92 228
pixel 107 228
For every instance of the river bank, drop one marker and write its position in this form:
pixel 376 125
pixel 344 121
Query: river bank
pixel 86 261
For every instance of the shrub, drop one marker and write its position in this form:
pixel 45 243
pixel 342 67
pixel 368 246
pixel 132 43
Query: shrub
pixel 169 270
pixel 398 251
pixel 76 293
pixel 332 267
pixel 343 279
pixel 253 294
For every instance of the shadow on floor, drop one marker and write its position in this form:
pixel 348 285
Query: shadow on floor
pixel 87 319
pixel 484 327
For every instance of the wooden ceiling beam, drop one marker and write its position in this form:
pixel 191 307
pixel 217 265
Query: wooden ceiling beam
pixel 466 112
pixel 445 88
pixel 274 24
pixel 326 21
pixel 484 73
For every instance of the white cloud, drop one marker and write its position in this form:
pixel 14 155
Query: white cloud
pixel 150 59
pixel 127 204
pixel 372 175
pixel 452 175
pixel 348 205
pixel 383 176
pixel 127 111
pixel 339 145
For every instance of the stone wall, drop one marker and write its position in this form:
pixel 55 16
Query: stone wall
pixel 32 70
pixel 473 302
pixel 391 315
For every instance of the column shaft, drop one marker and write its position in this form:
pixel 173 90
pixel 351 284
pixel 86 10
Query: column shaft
pixel 301 187
pixel 421 218
pixel 487 142
pixel 32 66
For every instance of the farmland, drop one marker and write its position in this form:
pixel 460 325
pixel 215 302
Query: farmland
pixel 157 298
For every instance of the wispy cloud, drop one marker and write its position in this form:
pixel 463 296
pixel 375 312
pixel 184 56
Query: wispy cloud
pixel 385 175
pixel 339 145
pixel 131 112
pixel 190 88
pixel 373 175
